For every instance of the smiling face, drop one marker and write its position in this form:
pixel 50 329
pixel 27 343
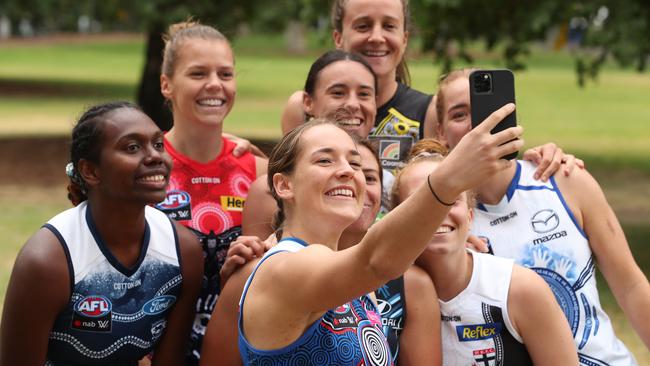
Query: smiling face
pixel 327 184
pixel 344 92
pixel 452 233
pixel 202 86
pixel 374 29
pixel 456 111
pixel 372 199
pixel 133 165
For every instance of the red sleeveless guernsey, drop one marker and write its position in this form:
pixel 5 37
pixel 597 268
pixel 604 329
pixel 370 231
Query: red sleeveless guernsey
pixel 208 197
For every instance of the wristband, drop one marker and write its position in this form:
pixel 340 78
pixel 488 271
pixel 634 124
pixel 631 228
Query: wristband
pixel 436 196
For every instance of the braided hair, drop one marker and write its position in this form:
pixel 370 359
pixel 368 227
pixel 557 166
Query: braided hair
pixel 86 144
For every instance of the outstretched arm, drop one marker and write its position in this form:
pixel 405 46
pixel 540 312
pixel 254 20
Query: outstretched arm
pixel 171 349
pixel 40 268
pixel 607 241
pixel 378 258
pixel 532 307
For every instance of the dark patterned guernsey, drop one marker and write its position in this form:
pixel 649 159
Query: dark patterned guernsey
pixel 116 315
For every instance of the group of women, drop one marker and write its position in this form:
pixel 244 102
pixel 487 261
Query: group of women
pixel 150 264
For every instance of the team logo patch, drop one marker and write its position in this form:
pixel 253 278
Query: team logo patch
pixel 373 345
pixel 94 306
pixel 232 203
pixel 485 357
pixel 157 329
pixel 390 150
pixel 158 304
pixel 544 221
pixel 177 205
pixel 384 307
pixel 343 317
pixel 393 150
pixel 477 332
pixel 92 313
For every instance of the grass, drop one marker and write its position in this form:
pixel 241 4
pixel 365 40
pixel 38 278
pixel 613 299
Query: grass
pixel 44 87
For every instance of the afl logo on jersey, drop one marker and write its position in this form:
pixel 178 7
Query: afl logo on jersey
pixel 174 201
pixel 544 221
pixel 158 304
pixel 93 306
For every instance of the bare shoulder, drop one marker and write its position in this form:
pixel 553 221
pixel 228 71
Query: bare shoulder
pixel 190 248
pixel 261 166
pixel 42 266
pixel 293 114
pixel 417 281
pixel 43 254
pixel 525 282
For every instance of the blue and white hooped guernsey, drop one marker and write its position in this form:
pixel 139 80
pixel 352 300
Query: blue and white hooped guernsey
pixel 347 335
pixel 116 315
pixel 534 226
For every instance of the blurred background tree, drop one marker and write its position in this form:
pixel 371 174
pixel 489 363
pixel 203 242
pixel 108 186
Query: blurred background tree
pixel 593 30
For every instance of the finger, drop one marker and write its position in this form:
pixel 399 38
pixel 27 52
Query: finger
pixel 553 165
pixel 546 153
pixel 475 243
pixel 532 155
pixel 230 265
pixel 239 150
pixel 493 119
pixel 258 248
pixel 509 147
pixel 258 152
pixel 568 163
pixel 242 251
pixel 506 135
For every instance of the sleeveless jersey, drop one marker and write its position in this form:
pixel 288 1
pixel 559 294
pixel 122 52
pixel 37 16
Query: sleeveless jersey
pixel 549 241
pixel 115 315
pixel 391 303
pixel 209 198
pixel 347 335
pixel 476 328
pixel 398 125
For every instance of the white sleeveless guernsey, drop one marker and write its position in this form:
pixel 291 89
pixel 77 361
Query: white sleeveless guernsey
pixel 533 225
pixel 476 327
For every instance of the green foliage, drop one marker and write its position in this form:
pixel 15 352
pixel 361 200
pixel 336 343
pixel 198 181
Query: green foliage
pixel 614 28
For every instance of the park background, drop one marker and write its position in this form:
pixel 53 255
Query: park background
pixel 579 83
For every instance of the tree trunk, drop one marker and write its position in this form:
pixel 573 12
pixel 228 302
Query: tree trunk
pixel 149 97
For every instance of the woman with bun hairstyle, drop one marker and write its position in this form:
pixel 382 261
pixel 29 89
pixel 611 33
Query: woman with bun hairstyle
pixel 112 279
pixel 208 184
pixel 492 311
pixel 562 229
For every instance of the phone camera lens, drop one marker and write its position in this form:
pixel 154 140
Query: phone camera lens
pixel 483 83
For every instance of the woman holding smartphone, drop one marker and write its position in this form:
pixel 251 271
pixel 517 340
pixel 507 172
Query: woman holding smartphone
pixel 561 229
